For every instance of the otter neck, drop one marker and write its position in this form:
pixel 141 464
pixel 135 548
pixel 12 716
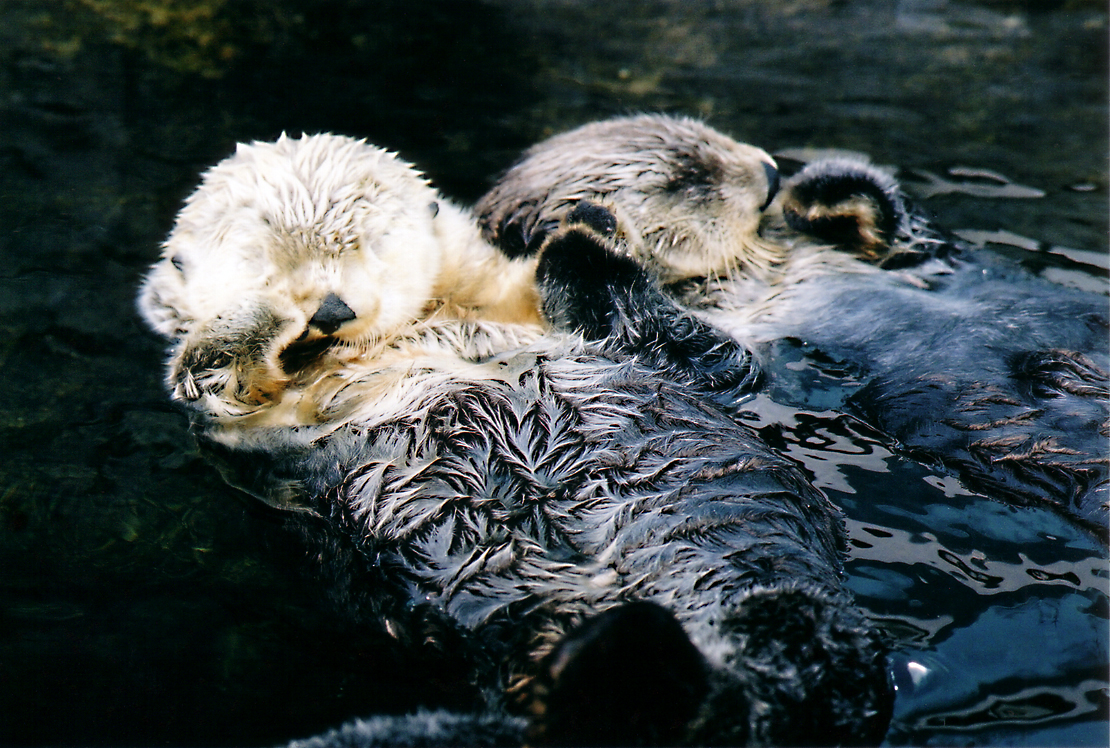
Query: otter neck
pixel 476 281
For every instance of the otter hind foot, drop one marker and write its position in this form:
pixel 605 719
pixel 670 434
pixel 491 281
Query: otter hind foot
pixel 847 203
pixel 628 676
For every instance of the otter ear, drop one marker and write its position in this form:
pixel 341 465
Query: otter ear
pixel 847 203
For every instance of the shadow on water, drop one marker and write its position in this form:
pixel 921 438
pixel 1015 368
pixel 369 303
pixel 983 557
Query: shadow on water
pixel 143 602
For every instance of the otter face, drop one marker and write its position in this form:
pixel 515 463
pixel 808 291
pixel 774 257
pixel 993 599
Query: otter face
pixel 288 252
pixel 690 198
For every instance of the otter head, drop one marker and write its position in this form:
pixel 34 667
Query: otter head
pixel 287 253
pixel 690 198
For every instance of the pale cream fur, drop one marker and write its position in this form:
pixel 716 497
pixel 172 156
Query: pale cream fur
pixel 275 229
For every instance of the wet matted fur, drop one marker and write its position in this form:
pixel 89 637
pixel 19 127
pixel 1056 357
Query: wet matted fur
pixel 353 354
pixel 965 362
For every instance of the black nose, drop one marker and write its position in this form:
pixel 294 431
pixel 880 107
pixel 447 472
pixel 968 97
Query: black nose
pixel 772 183
pixel 331 315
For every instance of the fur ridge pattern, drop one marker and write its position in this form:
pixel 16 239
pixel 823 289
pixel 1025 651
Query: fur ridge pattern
pixel 460 475
pixel 967 364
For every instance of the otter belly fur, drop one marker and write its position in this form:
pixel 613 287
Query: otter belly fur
pixel 573 519
pixel 964 362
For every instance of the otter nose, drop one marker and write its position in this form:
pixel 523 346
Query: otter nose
pixel 772 173
pixel 331 315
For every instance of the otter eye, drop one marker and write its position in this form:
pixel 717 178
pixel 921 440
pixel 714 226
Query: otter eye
pixel 178 263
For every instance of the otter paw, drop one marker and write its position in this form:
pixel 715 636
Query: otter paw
pixel 215 380
pixel 702 355
pixel 515 239
pixel 226 368
pixel 830 671
pixel 581 279
pixel 587 287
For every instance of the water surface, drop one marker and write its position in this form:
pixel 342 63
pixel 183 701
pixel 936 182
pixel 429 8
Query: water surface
pixel 142 602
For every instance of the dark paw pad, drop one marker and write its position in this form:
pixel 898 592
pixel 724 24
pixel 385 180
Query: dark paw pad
pixel 629 676
pixel 595 216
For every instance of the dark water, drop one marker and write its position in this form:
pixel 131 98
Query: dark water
pixel 142 602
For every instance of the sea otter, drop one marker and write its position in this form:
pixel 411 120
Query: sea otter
pixel 618 561
pixel 964 362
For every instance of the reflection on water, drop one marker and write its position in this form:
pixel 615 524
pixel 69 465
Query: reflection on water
pixel 965 181
pixel 142 602
pixel 1000 612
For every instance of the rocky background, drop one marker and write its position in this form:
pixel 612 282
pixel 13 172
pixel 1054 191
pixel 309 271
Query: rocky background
pixel 141 601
